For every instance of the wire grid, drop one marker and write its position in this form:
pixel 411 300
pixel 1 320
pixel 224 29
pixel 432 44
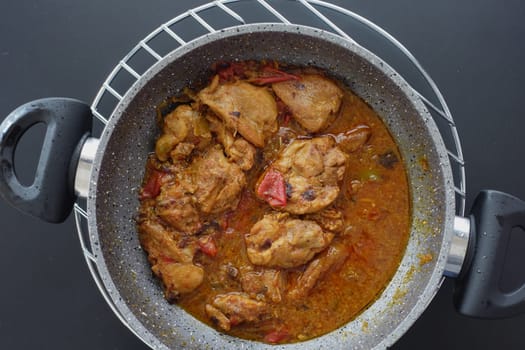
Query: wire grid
pixel 173 34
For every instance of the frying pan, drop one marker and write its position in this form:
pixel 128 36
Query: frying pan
pixel 440 173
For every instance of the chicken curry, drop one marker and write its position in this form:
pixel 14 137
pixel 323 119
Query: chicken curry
pixel 275 206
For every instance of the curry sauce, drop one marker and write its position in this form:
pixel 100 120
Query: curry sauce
pixel 280 227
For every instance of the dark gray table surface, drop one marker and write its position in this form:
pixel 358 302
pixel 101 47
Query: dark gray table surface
pixel 475 51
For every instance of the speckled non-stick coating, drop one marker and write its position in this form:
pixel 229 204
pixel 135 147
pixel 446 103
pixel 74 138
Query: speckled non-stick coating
pixel 130 135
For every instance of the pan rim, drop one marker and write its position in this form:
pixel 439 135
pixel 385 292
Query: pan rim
pixel 436 279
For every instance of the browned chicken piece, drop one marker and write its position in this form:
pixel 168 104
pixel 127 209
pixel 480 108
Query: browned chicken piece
pixel 218 317
pixel 182 151
pixel 176 205
pixel 184 123
pixel 314 100
pixel 218 182
pixel 171 256
pixel 280 241
pixel 227 277
pixel 238 150
pixel 242 153
pixel 248 109
pixel 210 184
pixel 353 139
pixel 160 242
pixel 312 170
pixel 330 259
pixel 236 308
pixel 178 278
pixel 330 219
pixel 268 282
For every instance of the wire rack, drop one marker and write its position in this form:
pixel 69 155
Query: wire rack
pixel 220 14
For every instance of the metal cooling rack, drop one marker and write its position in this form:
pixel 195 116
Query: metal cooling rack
pixel 220 14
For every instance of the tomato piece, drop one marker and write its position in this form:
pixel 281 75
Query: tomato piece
pixel 275 71
pixel 234 320
pixel 274 76
pixel 208 246
pixel 284 113
pixel 152 187
pixel 167 259
pixel 276 336
pixel 272 79
pixel 272 189
pixel 287 116
pixel 230 71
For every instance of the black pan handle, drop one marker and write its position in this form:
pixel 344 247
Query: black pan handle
pixel 68 123
pixel 478 291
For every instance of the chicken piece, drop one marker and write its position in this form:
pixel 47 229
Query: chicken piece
pixel 218 182
pixel 311 171
pixel 248 109
pixel 178 278
pixel 353 139
pixel 238 150
pixel 314 100
pixel 164 145
pixel 218 317
pixel 183 124
pixel 210 184
pixel 242 153
pixel 280 241
pixel 233 308
pixel 227 277
pixel 268 282
pixel 330 219
pixel 181 151
pixel 161 243
pixel 171 255
pixel 176 205
pixel 330 259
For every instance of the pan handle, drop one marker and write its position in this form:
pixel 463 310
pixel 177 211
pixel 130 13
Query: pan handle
pixel 68 123
pixel 478 293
